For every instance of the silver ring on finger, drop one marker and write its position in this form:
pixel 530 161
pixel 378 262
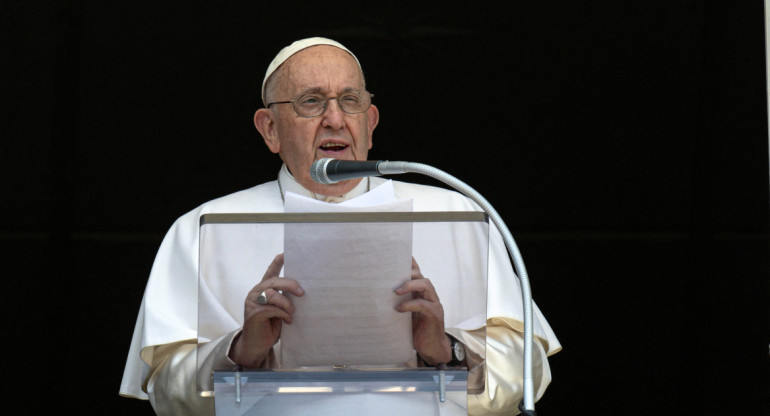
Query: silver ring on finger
pixel 262 298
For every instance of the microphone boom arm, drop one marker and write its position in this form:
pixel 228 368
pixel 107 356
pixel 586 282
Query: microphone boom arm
pixel 388 168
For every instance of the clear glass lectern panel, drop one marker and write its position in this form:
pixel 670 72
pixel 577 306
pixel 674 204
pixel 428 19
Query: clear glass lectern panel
pixel 349 265
pixel 376 393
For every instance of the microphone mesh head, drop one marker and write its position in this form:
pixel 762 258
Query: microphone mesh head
pixel 318 171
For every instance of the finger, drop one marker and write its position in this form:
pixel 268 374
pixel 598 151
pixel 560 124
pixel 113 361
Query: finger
pixel 416 273
pixel 422 287
pixel 273 297
pixel 277 299
pixel 421 306
pixel 260 314
pixel 283 284
pixel 274 268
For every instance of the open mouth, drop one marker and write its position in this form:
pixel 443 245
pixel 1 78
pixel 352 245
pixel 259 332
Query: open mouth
pixel 333 147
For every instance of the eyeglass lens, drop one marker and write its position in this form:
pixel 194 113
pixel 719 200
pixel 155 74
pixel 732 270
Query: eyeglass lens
pixel 313 104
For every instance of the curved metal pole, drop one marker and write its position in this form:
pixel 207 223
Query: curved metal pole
pixel 387 167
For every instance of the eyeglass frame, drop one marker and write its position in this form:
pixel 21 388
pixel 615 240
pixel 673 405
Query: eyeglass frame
pixel 325 103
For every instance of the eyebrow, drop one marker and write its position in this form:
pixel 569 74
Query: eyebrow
pixel 319 89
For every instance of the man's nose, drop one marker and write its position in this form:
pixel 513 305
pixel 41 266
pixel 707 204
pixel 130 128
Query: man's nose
pixel 333 116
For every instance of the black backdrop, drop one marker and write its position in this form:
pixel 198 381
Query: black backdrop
pixel 624 143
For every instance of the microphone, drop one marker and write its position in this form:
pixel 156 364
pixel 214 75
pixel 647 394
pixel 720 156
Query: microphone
pixel 328 170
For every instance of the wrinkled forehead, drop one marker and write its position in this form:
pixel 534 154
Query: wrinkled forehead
pixel 323 69
pixel 286 53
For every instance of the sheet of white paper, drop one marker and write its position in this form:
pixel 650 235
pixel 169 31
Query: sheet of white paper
pixel 349 272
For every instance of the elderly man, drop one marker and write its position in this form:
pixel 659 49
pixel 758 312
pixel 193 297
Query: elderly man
pixel 317 106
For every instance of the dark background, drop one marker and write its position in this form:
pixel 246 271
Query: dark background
pixel 624 142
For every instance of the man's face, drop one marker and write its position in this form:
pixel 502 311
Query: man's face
pixel 300 141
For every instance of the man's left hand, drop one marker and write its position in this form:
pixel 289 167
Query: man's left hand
pixel 428 335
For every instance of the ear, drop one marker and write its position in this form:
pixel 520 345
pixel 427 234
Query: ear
pixel 264 122
pixel 372 118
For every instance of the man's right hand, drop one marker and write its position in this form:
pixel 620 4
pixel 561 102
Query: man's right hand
pixel 262 323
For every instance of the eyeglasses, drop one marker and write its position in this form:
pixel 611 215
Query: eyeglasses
pixel 314 104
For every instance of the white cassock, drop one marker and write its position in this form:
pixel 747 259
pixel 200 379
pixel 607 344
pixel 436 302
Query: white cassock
pixel 162 363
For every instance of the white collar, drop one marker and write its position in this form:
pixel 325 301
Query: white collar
pixel 287 183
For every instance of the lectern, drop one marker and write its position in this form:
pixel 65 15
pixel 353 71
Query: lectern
pixel 451 249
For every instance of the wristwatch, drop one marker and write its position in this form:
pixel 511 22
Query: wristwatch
pixel 458 352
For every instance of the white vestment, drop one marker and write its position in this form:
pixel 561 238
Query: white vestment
pixel 163 345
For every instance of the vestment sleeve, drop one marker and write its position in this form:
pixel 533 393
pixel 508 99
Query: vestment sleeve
pixel 174 376
pixel 499 367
